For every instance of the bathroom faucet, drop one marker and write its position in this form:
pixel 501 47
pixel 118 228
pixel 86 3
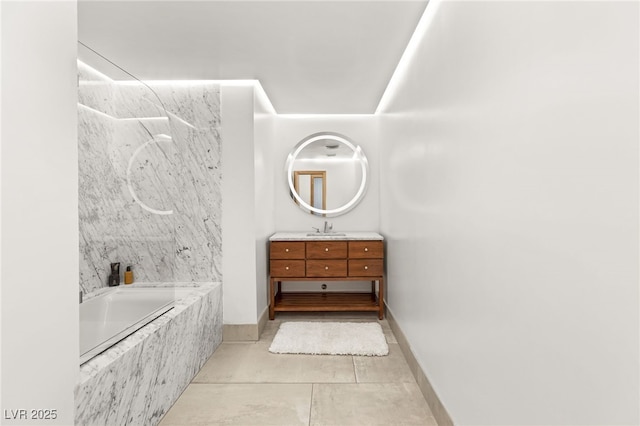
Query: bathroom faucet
pixel 328 227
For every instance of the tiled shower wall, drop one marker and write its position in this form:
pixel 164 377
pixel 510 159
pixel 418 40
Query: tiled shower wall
pixel 124 154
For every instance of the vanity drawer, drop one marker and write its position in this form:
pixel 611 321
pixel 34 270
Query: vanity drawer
pixel 287 268
pixel 366 250
pixel 365 268
pixel 326 268
pixel 287 250
pixel 327 250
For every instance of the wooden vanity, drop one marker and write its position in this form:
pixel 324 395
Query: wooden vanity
pixel 356 256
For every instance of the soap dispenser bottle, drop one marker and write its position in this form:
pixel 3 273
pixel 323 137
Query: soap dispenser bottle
pixel 128 275
pixel 114 278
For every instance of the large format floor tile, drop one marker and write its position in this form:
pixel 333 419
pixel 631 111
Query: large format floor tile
pixel 253 363
pixel 383 369
pixel 241 404
pixel 369 404
pixel 245 384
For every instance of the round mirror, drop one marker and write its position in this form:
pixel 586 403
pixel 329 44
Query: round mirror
pixel 327 174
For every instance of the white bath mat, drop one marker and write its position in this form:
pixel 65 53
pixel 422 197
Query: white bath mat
pixel 330 338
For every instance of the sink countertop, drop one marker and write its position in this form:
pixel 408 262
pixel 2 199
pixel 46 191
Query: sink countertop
pixel 302 236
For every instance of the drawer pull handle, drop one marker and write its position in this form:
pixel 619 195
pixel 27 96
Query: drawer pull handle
pixel 327 249
pixel 366 249
pixel 286 267
pixel 326 268
pixel 286 250
pixel 366 267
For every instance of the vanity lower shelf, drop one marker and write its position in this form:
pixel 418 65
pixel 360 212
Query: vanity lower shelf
pixel 327 302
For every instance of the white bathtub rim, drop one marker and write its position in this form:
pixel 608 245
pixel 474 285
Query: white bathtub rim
pixel 181 285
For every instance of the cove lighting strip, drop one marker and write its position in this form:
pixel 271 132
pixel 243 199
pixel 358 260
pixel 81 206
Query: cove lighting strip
pixel 410 51
pixel 260 92
pixel 95 71
pixel 325 116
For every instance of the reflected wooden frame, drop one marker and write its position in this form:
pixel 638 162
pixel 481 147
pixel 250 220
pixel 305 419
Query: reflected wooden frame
pixel 312 174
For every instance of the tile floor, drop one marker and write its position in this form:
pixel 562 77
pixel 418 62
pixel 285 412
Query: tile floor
pixel 244 384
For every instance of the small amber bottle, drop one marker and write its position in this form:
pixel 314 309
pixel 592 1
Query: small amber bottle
pixel 128 275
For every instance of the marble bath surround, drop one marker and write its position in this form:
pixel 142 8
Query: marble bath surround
pixel 150 178
pixel 138 379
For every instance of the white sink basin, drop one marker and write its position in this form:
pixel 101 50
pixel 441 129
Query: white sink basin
pixel 326 234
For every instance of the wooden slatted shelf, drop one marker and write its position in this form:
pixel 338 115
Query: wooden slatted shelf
pixel 327 301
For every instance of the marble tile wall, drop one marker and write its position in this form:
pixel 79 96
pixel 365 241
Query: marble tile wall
pixel 136 381
pixel 121 158
pixel 194 117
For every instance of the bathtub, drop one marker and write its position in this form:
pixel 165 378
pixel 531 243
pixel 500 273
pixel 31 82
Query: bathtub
pixel 138 379
pixel 118 312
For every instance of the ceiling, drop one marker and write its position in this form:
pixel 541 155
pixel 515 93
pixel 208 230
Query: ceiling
pixel 311 57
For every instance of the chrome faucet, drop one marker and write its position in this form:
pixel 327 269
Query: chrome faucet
pixel 328 228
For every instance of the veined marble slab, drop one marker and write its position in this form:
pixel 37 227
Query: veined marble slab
pixel 119 157
pixel 136 381
pixel 302 236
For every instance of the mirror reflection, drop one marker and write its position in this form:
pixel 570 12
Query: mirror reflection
pixel 327 174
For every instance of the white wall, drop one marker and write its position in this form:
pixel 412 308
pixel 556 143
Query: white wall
pixel 510 204
pixel 264 193
pixel 256 202
pixel 39 172
pixel 238 204
pixel 291 129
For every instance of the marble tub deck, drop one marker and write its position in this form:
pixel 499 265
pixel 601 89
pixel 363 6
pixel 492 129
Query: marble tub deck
pixel 244 384
pixel 138 379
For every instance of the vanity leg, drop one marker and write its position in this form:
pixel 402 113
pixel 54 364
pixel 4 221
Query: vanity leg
pixel 272 299
pixel 381 298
